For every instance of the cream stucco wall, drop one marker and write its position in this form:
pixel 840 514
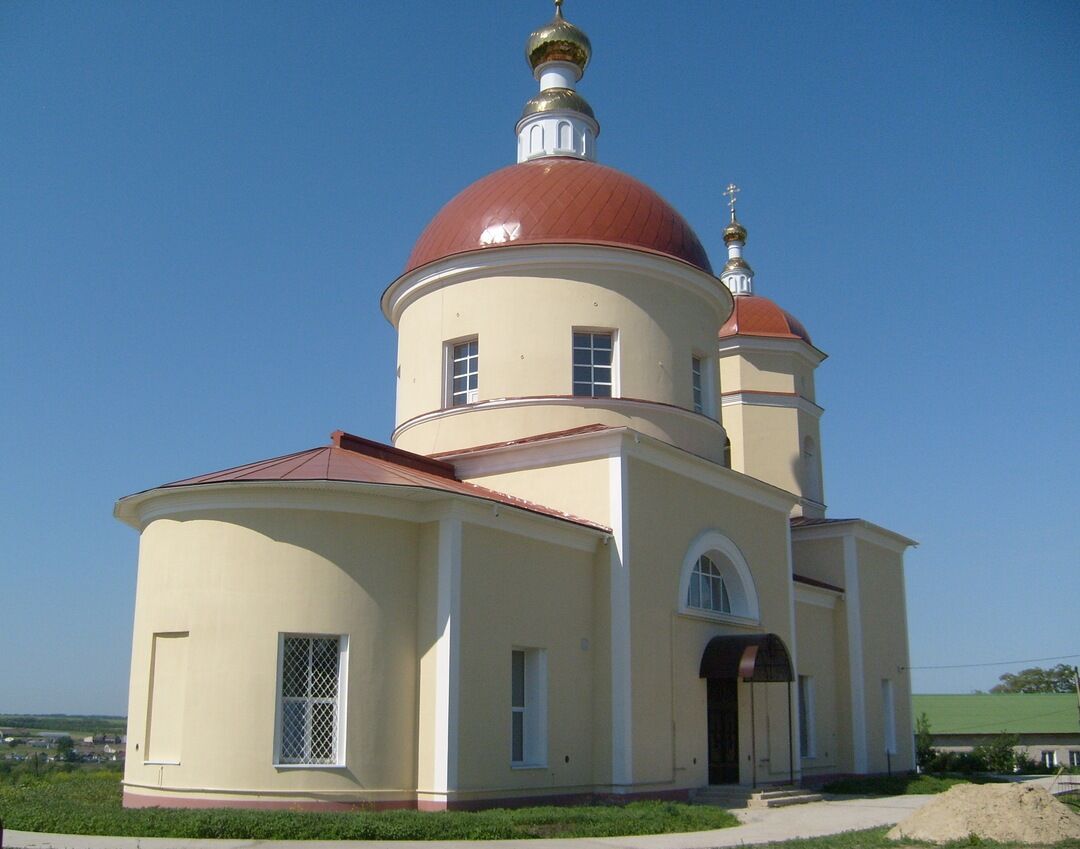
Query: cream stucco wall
pixel 234 580
pixel 524 324
pixel 531 595
pixel 580 488
pixel 885 653
pixel 667 513
pixel 774 420
pixel 820 559
pixel 767 371
pixel 820 631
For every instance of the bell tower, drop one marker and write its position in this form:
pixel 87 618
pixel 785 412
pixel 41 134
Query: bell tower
pixel 767 363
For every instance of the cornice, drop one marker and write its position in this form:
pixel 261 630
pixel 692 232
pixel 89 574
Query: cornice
pixel 817 596
pixel 759 398
pixel 859 529
pixel 388 501
pixel 522 260
pixel 613 404
pixel 739 344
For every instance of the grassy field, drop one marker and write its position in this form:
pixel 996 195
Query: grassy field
pixel 89 803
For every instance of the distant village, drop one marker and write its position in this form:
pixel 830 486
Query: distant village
pixel 61 746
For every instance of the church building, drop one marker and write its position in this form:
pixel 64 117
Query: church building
pixel 594 562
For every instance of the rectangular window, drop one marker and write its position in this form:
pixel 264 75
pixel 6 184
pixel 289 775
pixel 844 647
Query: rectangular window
pixel 696 385
pixel 888 714
pixel 310 707
pixel 463 372
pixel 528 708
pixel 1049 759
pixel 594 355
pixel 806 716
pixel 1074 758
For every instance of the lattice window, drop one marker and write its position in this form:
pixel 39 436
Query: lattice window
pixel 695 379
pixel 465 373
pixel 310 699
pixel 707 588
pixel 593 364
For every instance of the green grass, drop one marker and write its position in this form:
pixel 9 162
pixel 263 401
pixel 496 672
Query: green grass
pixel 903 785
pixel 89 803
pixel 875 838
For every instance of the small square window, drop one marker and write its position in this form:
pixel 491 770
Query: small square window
pixel 696 384
pixel 463 372
pixel 593 357
pixel 1049 758
pixel 1074 758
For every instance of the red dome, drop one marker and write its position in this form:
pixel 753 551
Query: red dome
pixel 757 316
pixel 562 201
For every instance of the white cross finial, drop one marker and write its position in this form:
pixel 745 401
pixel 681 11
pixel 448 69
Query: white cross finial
pixel 730 193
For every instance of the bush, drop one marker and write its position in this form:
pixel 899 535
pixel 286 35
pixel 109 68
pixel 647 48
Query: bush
pixel 924 749
pixel 999 753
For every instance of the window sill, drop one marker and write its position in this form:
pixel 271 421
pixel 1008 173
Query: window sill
pixel 527 766
pixel 309 766
pixel 161 763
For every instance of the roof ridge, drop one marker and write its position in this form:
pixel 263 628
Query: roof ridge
pixel 391 454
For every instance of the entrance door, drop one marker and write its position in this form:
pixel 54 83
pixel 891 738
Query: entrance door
pixel 723 718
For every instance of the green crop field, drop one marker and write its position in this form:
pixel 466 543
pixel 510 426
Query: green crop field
pixel 73 724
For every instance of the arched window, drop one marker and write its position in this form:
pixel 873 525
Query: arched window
pixel 565 136
pixel 716 582
pixel 707 590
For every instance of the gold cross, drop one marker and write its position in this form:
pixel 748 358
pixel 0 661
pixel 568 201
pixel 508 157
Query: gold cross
pixel 730 192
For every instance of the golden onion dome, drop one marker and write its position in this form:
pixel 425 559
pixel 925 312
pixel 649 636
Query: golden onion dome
pixel 557 100
pixel 558 41
pixel 736 263
pixel 734 232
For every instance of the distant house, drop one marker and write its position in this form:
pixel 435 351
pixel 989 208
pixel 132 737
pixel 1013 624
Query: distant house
pixel 1048 723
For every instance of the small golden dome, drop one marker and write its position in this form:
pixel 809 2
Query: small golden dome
pixel 734 232
pixel 736 263
pixel 558 41
pixel 555 100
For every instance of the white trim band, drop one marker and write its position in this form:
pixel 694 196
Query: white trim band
pixel 619 405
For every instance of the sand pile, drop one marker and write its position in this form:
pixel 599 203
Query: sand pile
pixel 1018 812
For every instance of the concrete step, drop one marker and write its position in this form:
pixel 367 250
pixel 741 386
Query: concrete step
pixel 782 798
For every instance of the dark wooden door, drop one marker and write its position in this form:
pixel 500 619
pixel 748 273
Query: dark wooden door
pixel 723 717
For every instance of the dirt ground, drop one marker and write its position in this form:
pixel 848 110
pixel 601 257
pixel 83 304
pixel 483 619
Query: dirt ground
pixel 1003 812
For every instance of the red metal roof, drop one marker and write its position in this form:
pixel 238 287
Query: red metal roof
pixel 355 459
pixel 754 315
pixel 558 200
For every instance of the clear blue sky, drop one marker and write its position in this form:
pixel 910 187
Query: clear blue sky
pixel 201 203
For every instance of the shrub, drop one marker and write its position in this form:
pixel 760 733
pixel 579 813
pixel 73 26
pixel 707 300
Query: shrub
pixel 999 753
pixel 924 749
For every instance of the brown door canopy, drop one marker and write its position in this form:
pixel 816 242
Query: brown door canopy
pixel 762 658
